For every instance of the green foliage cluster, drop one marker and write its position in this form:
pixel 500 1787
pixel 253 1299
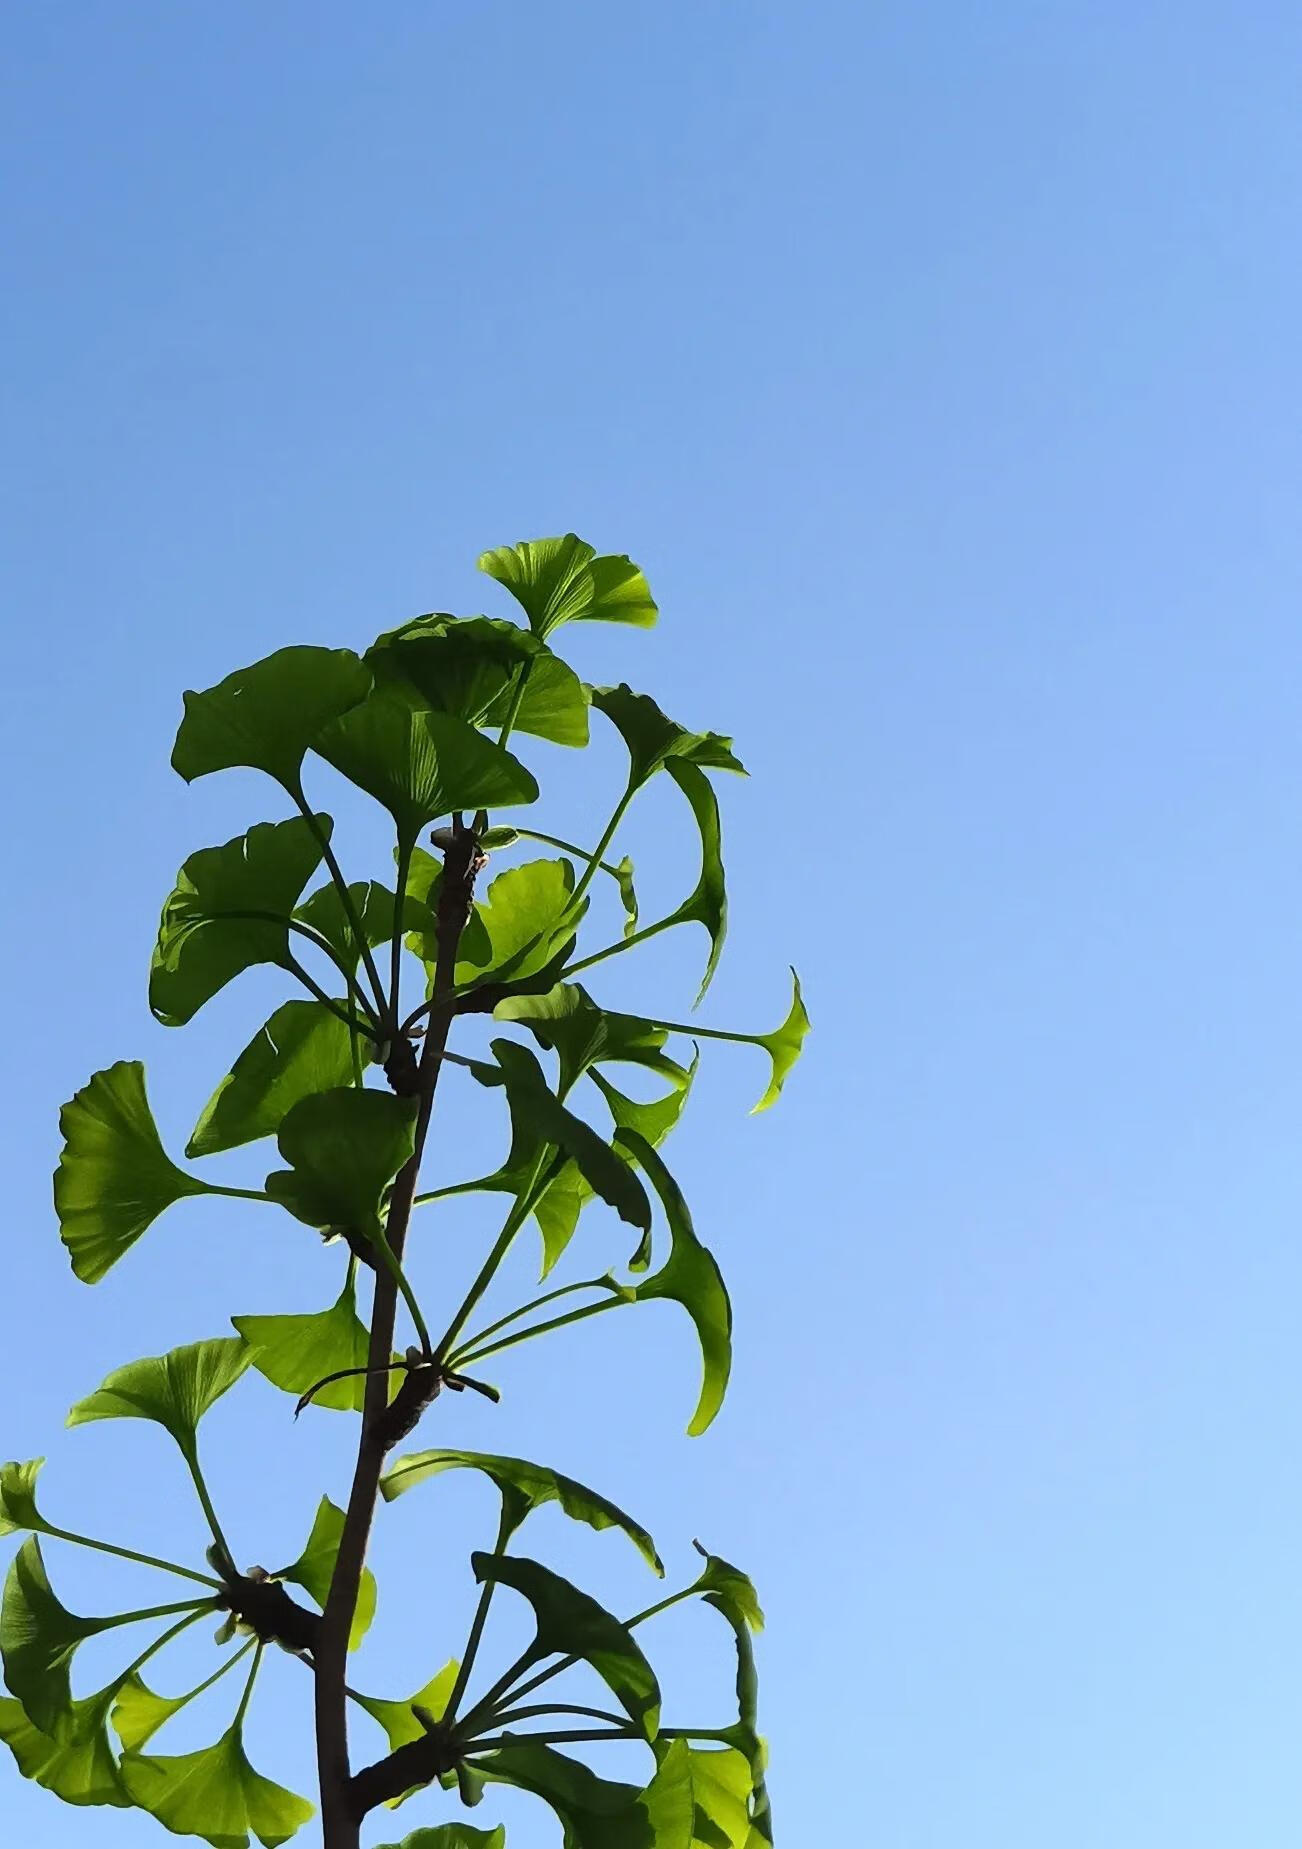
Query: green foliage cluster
pixel 343 1077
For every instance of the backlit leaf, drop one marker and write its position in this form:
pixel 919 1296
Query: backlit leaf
pixel 524 1487
pixel 324 911
pixel 783 1045
pixel 707 903
pixel 568 1022
pixel 422 765
pixel 653 738
pixel 469 667
pixel 452 1836
pixel 398 1718
pixel 730 1591
pixel 526 919
pixel 564 580
pixel 314 1569
pixel 114 1176
pixel 691 1277
pixel 570 1623
pixel 38 1639
pixel 294 1352
pixel 175 1390
pixel 344 1146
pixel 215 1794
pixel 80 1768
pixel 266 716
pixel 138 1712
pixel 18 1509
pixel 227 912
pixel 304 1048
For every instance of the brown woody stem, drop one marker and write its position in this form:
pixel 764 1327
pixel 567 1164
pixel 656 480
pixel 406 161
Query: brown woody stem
pixel 340 1816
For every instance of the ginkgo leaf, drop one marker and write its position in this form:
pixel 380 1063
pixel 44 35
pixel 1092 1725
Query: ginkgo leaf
pixel 524 1487
pixel 653 738
pixel 138 1712
pixel 114 1177
pixel 38 1639
pixel 707 903
pixel 539 1115
pixel 421 765
pixel 304 1048
pixel 689 1276
pixel 174 1390
pixel 215 1794
pixel 229 910
pixel 265 716
pixel 452 1836
pixel 783 1045
pixel 526 918
pixel 567 1021
pixel 294 1352
pixel 373 903
pixel 80 1768
pixel 730 1590
pixel 564 580
pixel 18 1509
pixel 470 667
pixel 399 1718
pixel 315 1566
pixel 597 1813
pixel 344 1146
pixel 571 1623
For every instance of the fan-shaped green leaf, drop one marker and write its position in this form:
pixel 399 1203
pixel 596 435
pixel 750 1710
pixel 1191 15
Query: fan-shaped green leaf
pixel 315 1566
pixel 398 1718
pixel 303 1049
pixel 567 1021
pixel 707 903
pixel 228 912
pixel 784 1044
pixel 81 1768
pixel 215 1794
pixel 38 1638
pixel 138 1712
pixel 653 738
pixel 452 1836
pixel 744 1737
pixel 324 911
pixel 564 580
pixel 691 1277
pixel 421 765
pixel 526 920
pixel 539 1115
pixel 570 1623
pixel 345 1147
pixel 18 1509
pixel 294 1352
pixel 175 1390
pixel 524 1487
pixel 730 1590
pixel 469 666
pixel 114 1176
pixel 597 1813
pixel 266 716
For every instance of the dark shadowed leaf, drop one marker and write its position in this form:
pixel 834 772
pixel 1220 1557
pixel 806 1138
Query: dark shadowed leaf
pixel 422 765
pixel 228 912
pixel 653 738
pixel 38 1639
pixel 324 911
pixel 294 1352
pixel 344 1147
pixel 524 1487
pixel 539 1115
pixel 314 1568
pixel 81 1768
pixel 114 1177
pixel 267 715
pixel 175 1390
pixel 304 1048
pixel 215 1794
pixel 468 667
pixel 570 1623
pixel 691 1277
pixel 564 580
pixel 597 1813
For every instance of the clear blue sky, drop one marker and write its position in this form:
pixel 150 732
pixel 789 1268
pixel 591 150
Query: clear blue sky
pixel 941 366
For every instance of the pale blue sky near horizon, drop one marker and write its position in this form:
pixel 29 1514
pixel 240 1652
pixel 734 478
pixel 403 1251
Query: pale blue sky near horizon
pixel 941 367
